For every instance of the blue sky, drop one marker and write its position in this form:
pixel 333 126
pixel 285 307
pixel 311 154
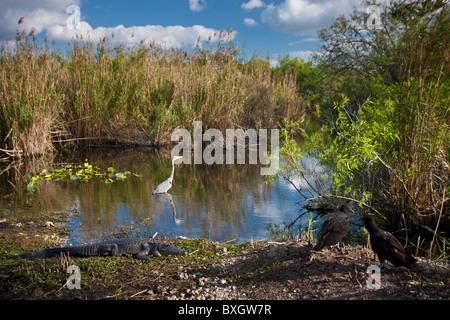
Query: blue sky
pixel 274 27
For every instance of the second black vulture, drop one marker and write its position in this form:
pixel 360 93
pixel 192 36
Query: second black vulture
pixel 335 226
pixel 386 246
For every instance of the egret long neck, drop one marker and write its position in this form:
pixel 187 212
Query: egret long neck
pixel 173 169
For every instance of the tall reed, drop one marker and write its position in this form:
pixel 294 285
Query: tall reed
pixel 29 98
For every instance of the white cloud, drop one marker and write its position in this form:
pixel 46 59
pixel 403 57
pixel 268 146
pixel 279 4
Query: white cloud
pixel 305 17
pixel 36 14
pixel 311 39
pixel 250 22
pixel 50 16
pixel 305 55
pixel 252 4
pixel 197 5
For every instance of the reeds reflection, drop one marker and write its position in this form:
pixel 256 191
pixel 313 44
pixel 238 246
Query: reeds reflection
pixel 217 202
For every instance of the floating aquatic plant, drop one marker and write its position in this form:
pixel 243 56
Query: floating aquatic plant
pixel 80 173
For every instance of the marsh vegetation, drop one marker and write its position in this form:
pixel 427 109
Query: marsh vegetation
pixel 380 96
pixel 131 96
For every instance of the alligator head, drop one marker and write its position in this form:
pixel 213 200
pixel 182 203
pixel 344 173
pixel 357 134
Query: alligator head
pixel 166 248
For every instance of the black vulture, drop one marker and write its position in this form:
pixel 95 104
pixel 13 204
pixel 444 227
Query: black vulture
pixel 335 226
pixel 386 246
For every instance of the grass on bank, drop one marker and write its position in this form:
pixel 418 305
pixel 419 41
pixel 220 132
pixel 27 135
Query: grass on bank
pixel 105 277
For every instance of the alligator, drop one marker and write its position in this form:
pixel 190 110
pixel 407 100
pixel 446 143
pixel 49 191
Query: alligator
pixel 139 248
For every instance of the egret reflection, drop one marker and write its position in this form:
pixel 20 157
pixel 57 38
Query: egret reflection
pixel 167 198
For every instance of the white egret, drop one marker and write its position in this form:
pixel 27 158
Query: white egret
pixel 166 185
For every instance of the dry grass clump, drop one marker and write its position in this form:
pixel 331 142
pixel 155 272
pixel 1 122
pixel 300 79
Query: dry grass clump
pixel 29 99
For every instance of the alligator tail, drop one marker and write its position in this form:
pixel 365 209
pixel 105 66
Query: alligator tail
pixel 76 251
pixel 45 253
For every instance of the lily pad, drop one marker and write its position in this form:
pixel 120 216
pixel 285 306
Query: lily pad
pixel 81 173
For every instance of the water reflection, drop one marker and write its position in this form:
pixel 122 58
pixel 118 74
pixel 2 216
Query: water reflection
pixel 218 202
pixel 167 198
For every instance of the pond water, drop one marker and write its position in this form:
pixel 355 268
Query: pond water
pixel 217 202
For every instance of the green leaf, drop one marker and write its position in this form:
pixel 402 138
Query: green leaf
pixel 120 176
pixel 32 186
pixel 88 166
pixel 29 175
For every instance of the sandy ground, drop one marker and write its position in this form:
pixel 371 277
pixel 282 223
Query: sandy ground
pixel 301 273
